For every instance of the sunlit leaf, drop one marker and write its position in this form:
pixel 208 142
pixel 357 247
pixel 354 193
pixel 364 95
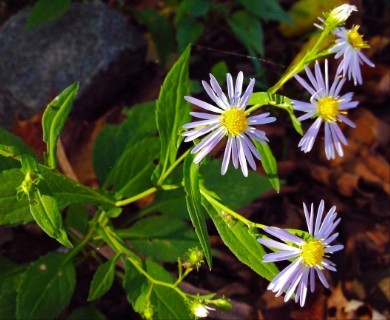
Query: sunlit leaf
pixel 172 113
pixel 195 210
pixel 54 119
pixel 238 238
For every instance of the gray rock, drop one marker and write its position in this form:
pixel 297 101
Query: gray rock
pixel 91 43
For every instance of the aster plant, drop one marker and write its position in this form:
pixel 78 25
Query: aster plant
pixel 145 158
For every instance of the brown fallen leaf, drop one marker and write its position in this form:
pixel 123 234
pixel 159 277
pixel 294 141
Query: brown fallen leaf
pixel 336 303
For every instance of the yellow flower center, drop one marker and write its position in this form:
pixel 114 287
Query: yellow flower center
pixel 234 120
pixel 328 108
pixel 356 39
pixel 312 253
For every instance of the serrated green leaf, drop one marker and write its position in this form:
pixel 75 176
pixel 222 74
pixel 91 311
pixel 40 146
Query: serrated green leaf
pixel 132 172
pixel 195 210
pixel 248 30
pixel 46 10
pixel 160 237
pixel 114 139
pixel 46 213
pixel 269 164
pixel 88 312
pixel 46 288
pixel 189 30
pixel 240 241
pixel 160 29
pixel 172 113
pixel 13 211
pixel 233 188
pixel 54 119
pixel 68 191
pixel 168 303
pixel 102 279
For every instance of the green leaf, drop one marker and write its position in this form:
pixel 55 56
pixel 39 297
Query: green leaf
pixel 114 139
pixel 132 172
pixel 68 191
pixel 54 119
pixel 102 279
pixel 46 288
pixel 160 237
pixel 238 238
pixel 269 164
pixel 46 10
pixel 10 274
pixel 8 305
pixel 195 210
pixel 88 312
pixel 10 278
pixel 160 29
pixel 168 303
pixel 248 30
pixel 77 217
pixel 219 71
pixel 12 211
pixel 172 113
pixel 189 30
pixel 192 8
pixel 12 141
pixel 46 213
pixel 233 188
pixel 266 10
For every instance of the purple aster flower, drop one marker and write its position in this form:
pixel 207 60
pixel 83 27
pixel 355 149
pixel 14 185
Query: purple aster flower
pixel 349 45
pixel 230 120
pixel 327 106
pixel 310 256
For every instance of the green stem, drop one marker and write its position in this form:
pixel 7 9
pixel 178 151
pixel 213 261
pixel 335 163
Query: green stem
pixel 120 249
pixel 226 209
pixel 81 244
pixel 141 195
pixel 165 174
pixel 145 193
pixel 181 277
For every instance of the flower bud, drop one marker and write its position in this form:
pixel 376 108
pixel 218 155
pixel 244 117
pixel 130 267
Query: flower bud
pixel 194 258
pixel 222 304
